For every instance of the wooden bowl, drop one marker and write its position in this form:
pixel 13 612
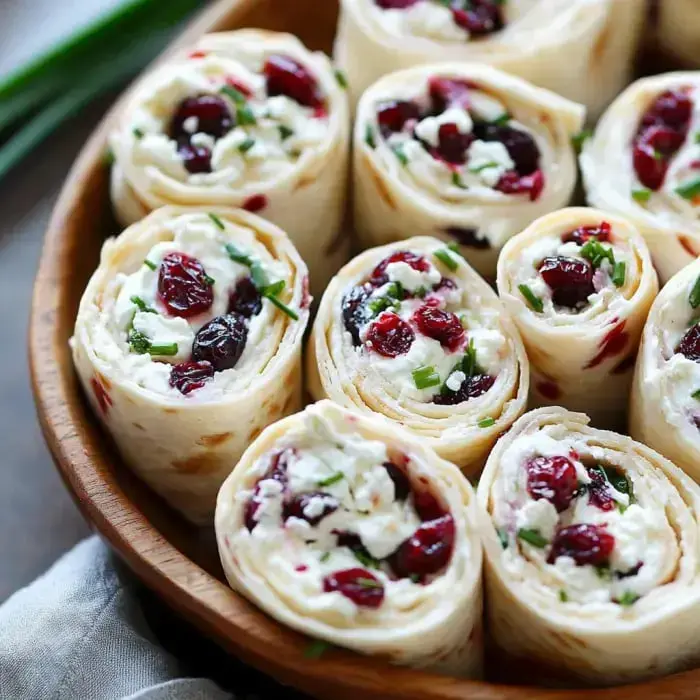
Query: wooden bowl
pixel 174 559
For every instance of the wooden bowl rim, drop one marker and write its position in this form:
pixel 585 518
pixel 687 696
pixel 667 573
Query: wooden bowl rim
pixel 207 602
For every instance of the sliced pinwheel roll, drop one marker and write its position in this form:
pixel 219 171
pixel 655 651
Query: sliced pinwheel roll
pixel 677 29
pixel 464 152
pixel 579 284
pixel 582 49
pixel 188 343
pixel 592 557
pixel 411 332
pixel 349 530
pixel 665 405
pixel 247 119
pixel 643 162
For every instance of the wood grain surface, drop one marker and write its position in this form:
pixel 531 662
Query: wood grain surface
pixel 171 557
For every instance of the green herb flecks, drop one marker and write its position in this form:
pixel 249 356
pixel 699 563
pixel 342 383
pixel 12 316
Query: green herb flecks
pixel 618 275
pixel 641 195
pixel 532 537
pixel 150 265
pixel 486 422
pixel 445 256
pixel 246 145
pixel 579 139
pixel 316 649
pixel 141 305
pixel 694 297
pixel 425 377
pixel 689 190
pixel 219 224
pixel 369 137
pixel 285 132
pixel 596 252
pixel 627 598
pixel 341 78
pixel 536 304
pixel 338 476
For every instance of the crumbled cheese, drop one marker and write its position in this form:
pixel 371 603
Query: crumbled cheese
pixel 410 278
pixel 491 159
pixel 428 129
pixel 454 381
pixel 191 125
pixel 538 515
pixel 164 330
pixel 485 106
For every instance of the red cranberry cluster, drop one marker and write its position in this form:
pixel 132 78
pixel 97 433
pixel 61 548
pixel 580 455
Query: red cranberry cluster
pixel 185 290
pixel 478 17
pixel 690 344
pixel 395 116
pixel 426 552
pixel 284 76
pixel 661 133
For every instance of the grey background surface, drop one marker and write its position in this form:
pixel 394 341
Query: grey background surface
pixel 38 520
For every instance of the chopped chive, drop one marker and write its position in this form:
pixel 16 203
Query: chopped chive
pixel 628 598
pixel 365 558
pixel 395 290
pixel 376 306
pixel 108 158
pixel 469 363
pixel 535 302
pixel 454 247
pixel 274 289
pixel 245 116
pixel 425 377
pixel 485 166
pixel 696 137
pixel 259 276
pixel 486 422
pixel 138 342
pixel 444 255
pixel 415 578
pixel 657 155
pixel 641 195
pixel 369 137
pixel 563 597
pixel 218 223
pixel 690 189
pixel 694 297
pixel 596 252
pixel 532 537
pixel 150 264
pixel 138 133
pixel 284 308
pixel 285 132
pixel 338 476
pixel 167 350
pixel 618 481
pixel 341 78
pixel 209 280
pixel 420 292
pixel 316 649
pixel 696 395
pixel 142 305
pixel 618 276
pixel 457 180
pixel 579 139
pixel 233 252
pixel 503 537
pixel 325 557
pixel 368 583
pixel 236 95
pixel 464 321
pixel 501 120
pixel 398 152
pixel 246 145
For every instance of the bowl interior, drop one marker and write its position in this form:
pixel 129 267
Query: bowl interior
pixel 175 559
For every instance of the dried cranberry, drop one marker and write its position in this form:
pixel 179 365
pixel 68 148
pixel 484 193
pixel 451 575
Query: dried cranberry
pixel 469 237
pixel 690 344
pixel 584 233
pixel 221 341
pixel 452 144
pixel 402 486
pixel 196 159
pixel 393 115
pixel 277 471
pixel 443 326
pixel 285 76
pixel 598 490
pixel 512 183
pixel 417 262
pixel 448 92
pixel 189 376
pixel 245 299
pixel 390 336
pixel 295 508
pixel 471 388
pixel 671 108
pixel 355 312
pixel 521 147
pixel 211 112
pixel 585 544
pixel 255 203
pixel 570 279
pixel 427 506
pixel 552 478
pixel 359 585
pixel 443 284
pixel 427 551
pixel 183 285
pixel 395 4
pixel 651 154
pixel 480 17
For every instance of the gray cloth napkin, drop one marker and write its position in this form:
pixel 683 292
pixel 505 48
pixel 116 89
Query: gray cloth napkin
pixel 77 633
